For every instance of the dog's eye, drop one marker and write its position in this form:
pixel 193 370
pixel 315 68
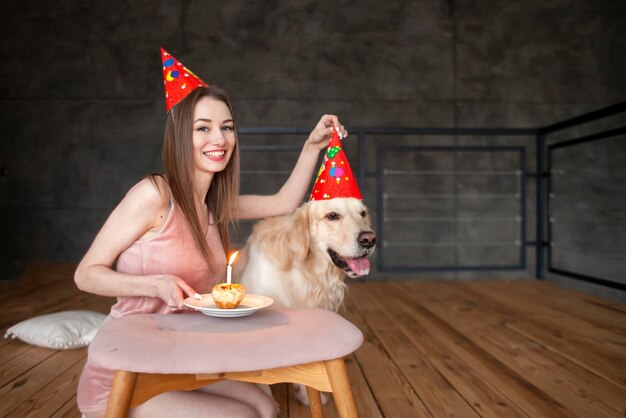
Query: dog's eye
pixel 333 216
pixel 363 214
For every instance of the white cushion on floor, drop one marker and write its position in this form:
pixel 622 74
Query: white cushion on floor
pixel 59 330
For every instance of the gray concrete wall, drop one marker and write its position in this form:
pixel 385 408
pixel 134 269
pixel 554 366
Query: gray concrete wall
pixel 82 111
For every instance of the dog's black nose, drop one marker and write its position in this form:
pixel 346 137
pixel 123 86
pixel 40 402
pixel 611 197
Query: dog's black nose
pixel 367 239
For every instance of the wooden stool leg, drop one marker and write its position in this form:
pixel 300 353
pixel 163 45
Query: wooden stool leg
pixel 342 393
pixel 315 402
pixel 121 393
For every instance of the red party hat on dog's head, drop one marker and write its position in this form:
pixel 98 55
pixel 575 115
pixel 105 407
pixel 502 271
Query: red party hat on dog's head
pixel 335 178
pixel 179 81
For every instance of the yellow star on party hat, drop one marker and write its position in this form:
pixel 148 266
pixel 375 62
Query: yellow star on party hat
pixel 178 80
pixel 335 178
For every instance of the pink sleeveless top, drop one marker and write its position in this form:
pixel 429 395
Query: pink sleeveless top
pixel 171 250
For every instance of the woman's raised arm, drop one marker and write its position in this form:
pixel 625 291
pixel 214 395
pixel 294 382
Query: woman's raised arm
pixel 291 194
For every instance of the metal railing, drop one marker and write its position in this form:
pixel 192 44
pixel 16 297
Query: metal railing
pixel 544 146
pixel 546 155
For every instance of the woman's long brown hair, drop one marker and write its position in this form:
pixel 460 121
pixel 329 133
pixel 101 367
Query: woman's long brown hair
pixel 179 170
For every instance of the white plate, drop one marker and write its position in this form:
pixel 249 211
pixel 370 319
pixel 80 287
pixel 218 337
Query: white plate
pixel 249 305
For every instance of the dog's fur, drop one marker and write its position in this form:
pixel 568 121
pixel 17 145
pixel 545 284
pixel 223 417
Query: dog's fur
pixel 301 260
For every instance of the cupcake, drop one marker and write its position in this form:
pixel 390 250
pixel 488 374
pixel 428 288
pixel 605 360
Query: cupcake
pixel 228 296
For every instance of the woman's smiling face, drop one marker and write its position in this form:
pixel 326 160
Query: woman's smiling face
pixel 213 135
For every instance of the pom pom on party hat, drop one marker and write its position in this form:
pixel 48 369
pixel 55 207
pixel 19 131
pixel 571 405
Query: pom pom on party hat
pixel 178 80
pixel 335 178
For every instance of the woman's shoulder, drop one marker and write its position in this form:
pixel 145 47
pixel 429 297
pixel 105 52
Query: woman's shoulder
pixel 152 191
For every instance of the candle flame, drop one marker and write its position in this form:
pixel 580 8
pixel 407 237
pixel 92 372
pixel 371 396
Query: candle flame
pixel 232 258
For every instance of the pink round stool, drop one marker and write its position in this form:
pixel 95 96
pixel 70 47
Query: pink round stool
pixel 152 354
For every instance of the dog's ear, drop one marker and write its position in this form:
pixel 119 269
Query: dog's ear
pixel 287 239
pixel 295 238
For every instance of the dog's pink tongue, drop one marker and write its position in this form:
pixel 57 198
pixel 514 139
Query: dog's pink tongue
pixel 360 266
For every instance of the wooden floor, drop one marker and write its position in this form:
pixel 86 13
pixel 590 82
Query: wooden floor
pixel 431 349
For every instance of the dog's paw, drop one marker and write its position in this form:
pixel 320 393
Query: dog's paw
pixel 302 397
pixel 265 388
pixel 300 392
pixel 268 391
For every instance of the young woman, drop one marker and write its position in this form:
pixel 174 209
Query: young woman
pixel 166 240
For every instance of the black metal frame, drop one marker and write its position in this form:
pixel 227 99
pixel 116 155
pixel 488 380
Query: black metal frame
pixel 611 133
pixel 541 176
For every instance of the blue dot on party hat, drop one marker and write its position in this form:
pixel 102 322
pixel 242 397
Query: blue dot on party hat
pixel 336 172
pixel 168 63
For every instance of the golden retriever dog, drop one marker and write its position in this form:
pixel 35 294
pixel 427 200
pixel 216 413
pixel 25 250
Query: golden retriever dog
pixel 301 260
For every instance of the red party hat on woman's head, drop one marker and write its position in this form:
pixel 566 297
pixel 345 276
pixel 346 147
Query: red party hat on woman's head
pixel 178 80
pixel 335 178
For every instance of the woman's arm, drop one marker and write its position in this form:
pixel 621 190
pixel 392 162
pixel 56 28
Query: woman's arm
pixel 292 193
pixel 143 209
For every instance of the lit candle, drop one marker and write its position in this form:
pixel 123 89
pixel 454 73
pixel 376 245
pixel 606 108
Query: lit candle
pixel 229 269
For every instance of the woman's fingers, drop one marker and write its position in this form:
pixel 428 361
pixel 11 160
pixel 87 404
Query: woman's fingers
pixel 188 290
pixel 173 290
pixel 183 290
pixel 322 132
pixel 332 121
pixel 329 120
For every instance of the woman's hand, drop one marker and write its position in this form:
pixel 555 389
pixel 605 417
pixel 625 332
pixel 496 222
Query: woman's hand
pixel 172 290
pixel 291 194
pixel 321 134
